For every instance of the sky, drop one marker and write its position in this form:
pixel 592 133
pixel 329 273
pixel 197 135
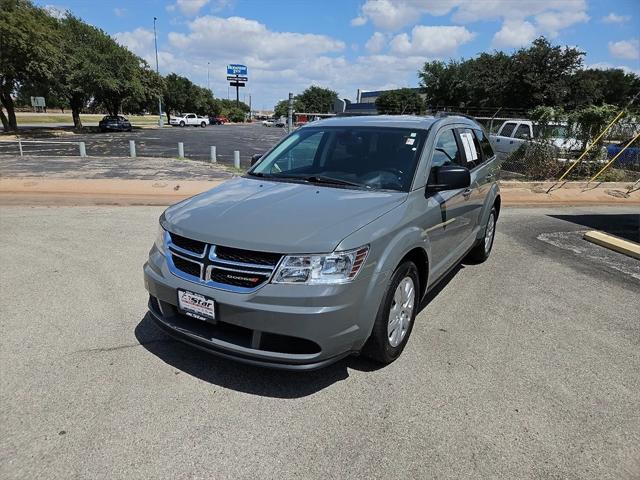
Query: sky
pixel 347 45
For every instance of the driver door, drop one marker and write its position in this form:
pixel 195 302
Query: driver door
pixel 447 222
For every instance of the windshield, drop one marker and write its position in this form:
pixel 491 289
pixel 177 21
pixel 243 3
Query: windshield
pixel 364 157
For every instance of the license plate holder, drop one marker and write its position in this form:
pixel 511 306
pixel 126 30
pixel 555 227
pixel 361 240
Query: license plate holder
pixel 197 306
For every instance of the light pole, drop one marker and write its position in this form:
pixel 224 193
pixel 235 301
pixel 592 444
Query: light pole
pixel 155 39
pixel 208 84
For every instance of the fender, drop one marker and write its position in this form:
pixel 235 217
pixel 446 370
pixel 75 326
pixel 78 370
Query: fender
pixel 489 200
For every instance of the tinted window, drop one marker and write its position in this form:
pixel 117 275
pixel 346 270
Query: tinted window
pixel 523 132
pixel 507 129
pixel 371 157
pixel 445 151
pixel 485 146
pixel 470 147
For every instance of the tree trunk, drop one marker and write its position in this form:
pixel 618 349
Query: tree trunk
pixel 75 113
pixel 5 121
pixel 11 124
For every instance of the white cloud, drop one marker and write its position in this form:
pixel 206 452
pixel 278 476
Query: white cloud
pixel 358 21
pixel 189 8
pixel 551 23
pixel 615 18
pixel 119 12
pixel 375 43
pixel 626 49
pixel 139 41
pixel 56 11
pixel 514 33
pixel 396 14
pixel 431 41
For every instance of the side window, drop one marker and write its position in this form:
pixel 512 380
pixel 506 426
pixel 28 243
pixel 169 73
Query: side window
pixel 471 148
pixel 445 151
pixel 523 132
pixel 485 146
pixel 191 115
pixel 507 129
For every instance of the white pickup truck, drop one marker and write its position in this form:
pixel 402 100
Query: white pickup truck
pixel 513 133
pixel 189 119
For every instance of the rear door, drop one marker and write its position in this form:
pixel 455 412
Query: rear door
pixel 192 119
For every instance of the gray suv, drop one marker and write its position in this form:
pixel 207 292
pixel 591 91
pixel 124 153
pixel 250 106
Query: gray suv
pixel 328 244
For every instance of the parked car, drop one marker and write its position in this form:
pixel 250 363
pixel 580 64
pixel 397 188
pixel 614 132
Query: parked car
pixel 219 120
pixel 269 122
pixel 189 119
pixel 629 157
pixel 114 123
pixel 513 133
pixel 329 243
pixel 281 122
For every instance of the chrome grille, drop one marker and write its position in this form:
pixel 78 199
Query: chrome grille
pixel 226 268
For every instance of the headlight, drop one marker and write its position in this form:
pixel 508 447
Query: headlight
pixel 329 269
pixel 159 243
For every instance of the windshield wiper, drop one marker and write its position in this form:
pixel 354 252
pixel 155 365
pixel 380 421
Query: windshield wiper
pixel 332 181
pixel 259 174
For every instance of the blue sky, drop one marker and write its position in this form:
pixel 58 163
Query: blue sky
pixel 346 45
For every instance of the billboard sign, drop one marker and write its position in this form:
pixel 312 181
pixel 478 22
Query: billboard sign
pixel 235 69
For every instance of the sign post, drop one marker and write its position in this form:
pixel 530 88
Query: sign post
pixel 237 75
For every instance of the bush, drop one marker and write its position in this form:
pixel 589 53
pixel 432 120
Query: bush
pixel 236 115
pixel 535 161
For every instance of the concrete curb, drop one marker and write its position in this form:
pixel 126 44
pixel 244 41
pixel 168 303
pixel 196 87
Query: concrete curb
pixel 616 244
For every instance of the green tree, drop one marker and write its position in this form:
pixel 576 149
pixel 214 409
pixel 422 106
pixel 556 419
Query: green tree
pixel 317 99
pixel 29 52
pixel 281 108
pixel 399 102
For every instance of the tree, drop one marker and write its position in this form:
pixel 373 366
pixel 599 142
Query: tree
pixel 281 108
pixel 29 52
pixel 317 99
pixel 399 102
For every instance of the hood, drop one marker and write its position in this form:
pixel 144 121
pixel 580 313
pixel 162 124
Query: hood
pixel 279 217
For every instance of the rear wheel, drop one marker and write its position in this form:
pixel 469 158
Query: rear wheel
pixel 182 123
pixel 396 316
pixel 203 124
pixel 482 250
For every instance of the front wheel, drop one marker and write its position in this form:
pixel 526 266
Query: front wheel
pixel 182 123
pixel 203 124
pixel 396 316
pixel 482 250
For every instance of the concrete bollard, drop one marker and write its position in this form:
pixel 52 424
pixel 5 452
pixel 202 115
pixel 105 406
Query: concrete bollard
pixel 132 148
pixel 180 149
pixel 20 146
pixel 214 157
pixel 236 158
pixel 83 149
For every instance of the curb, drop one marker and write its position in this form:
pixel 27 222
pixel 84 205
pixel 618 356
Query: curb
pixel 616 244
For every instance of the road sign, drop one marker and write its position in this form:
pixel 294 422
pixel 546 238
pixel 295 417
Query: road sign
pixel 236 78
pixel 235 69
pixel 237 84
pixel 38 102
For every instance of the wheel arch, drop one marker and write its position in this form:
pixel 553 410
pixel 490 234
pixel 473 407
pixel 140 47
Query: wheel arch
pixel 418 256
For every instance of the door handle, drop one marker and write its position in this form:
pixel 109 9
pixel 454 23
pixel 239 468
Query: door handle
pixel 489 176
pixel 466 193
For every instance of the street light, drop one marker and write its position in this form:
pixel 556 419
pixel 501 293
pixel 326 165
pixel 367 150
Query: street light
pixel 208 84
pixel 155 39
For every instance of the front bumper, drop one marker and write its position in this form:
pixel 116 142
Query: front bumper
pixel 294 327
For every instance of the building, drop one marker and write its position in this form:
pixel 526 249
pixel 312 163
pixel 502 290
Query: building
pixel 365 103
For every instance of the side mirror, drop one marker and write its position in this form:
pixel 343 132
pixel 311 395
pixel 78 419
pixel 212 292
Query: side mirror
pixel 255 158
pixel 449 177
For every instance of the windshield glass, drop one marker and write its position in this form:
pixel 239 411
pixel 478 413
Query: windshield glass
pixel 372 158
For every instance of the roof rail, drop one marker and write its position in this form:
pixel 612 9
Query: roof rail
pixel 453 114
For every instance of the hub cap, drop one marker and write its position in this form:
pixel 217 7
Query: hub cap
pixel 401 311
pixel 488 236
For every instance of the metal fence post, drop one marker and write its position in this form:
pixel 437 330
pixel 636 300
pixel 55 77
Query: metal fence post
pixel 83 149
pixel 132 148
pixel 180 149
pixel 214 156
pixel 236 158
pixel 20 146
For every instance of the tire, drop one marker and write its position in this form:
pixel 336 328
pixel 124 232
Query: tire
pixel 203 124
pixel 482 250
pixel 387 343
pixel 182 123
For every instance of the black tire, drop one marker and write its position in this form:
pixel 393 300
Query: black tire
pixel 378 347
pixel 203 124
pixel 182 123
pixel 482 250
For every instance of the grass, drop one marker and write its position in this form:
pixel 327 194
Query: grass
pixel 35 118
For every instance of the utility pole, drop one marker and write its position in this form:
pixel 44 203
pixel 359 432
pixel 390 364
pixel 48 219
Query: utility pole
pixel 290 113
pixel 208 84
pixel 250 112
pixel 155 40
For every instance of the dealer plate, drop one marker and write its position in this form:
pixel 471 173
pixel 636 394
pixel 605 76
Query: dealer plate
pixel 196 305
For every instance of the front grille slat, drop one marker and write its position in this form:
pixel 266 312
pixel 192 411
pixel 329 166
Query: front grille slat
pixel 225 267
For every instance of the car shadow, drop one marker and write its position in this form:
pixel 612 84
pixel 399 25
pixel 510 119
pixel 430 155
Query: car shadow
pixel 623 225
pixel 238 376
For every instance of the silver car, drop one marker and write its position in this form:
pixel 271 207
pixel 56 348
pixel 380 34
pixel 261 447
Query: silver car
pixel 328 244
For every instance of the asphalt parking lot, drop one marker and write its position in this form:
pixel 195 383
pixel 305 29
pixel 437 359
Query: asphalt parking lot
pixel 249 139
pixel 523 367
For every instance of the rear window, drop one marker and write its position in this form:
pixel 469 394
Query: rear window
pixel 507 129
